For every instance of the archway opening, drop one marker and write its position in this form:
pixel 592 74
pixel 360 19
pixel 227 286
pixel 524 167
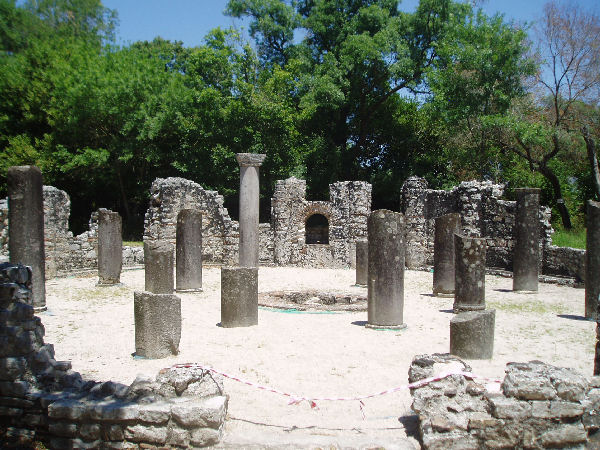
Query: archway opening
pixel 317 229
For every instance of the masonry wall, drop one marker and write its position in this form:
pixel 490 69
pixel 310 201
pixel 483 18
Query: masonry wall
pixel 65 252
pixel 42 399
pixel 537 406
pixel 346 212
pixel 483 214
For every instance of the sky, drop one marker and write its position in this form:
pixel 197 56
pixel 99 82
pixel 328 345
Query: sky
pixel 190 20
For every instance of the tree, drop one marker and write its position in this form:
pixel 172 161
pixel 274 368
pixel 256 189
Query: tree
pixel 548 129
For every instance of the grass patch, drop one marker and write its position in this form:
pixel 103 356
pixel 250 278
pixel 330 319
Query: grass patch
pixel 140 243
pixel 569 238
pixel 528 307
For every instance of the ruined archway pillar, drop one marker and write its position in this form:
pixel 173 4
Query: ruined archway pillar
pixel 26 226
pixel 446 227
pixel 249 207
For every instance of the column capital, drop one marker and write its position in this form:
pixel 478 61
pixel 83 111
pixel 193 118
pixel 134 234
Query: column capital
pixel 250 159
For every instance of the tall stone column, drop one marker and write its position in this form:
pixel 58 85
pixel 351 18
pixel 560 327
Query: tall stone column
pixel 26 226
pixel 362 262
pixel 592 261
pixel 110 247
pixel 249 207
pixel 158 267
pixel 526 253
pixel 469 266
pixel 386 270
pixel 446 227
pixel 188 252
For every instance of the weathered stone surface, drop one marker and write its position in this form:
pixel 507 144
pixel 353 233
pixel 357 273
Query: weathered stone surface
pixel 239 296
pixel 26 225
pixel 495 420
pixel 149 434
pixel 68 409
pixel 526 253
pixel 472 334
pixel 446 227
pixel 249 207
pixel 158 269
pixel 362 262
pixel 592 261
pixel 386 269
pixel 469 290
pixel 157 324
pixel 110 247
pixel 209 413
pixel 203 437
pixel 189 251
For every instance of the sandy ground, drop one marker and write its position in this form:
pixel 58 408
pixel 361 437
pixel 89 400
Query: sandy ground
pixel 313 355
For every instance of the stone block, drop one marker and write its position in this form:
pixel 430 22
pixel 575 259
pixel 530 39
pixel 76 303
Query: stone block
pixel 69 409
pixel 472 334
pixel 157 324
pixel 149 434
pixel 114 411
pixel 90 431
pixel 12 368
pixel 66 429
pixel 177 436
pixel 563 435
pixel 155 413
pixel 509 408
pixel 239 296
pixel 208 413
pixel 203 437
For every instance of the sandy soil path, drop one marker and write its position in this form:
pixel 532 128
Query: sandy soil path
pixel 314 355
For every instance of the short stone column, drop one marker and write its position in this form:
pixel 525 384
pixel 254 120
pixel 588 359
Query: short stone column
pixel 386 270
pixel 110 247
pixel 526 253
pixel 239 296
pixel 157 324
pixel 469 280
pixel 362 262
pixel 158 267
pixel 188 253
pixel 592 260
pixel 26 226
pixel 249 207
pixel 446 227
pixel 472 334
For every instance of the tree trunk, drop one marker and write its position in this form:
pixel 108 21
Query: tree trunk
pixel 557 193
pixel 590 145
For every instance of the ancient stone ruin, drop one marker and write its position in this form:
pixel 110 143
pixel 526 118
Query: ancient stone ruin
pixel 64 252
pixel 43 400
pixel 537 406
pixel 301 232
pixel 484 214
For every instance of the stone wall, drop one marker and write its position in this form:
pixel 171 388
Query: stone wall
pixel 483 214
pixel 346 213
pixel 538 406
pixel 65 252
pixel 282 241
pixel 220 234
pixel 43 400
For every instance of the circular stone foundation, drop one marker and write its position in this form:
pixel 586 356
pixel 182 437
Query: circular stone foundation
pixel 313 301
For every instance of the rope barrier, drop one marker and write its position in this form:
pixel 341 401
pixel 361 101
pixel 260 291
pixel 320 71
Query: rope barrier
pixel 312 401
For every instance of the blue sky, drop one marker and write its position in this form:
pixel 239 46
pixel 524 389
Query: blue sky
pixel 190 20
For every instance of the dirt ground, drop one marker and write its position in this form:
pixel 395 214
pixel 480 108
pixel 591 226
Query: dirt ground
pixel 312 354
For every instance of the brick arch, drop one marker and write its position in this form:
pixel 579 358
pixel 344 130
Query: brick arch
pixel 317 235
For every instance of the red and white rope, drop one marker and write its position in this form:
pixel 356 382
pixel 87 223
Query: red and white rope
pixel 312 401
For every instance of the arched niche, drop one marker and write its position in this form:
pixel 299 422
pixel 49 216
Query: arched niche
pixel 316 229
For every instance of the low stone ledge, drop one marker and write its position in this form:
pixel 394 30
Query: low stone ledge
pixel 538 406
pixel 43 400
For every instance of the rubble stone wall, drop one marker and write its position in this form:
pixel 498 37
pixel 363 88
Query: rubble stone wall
pixel 220 234
pixel 483 214
pixel 537 406
pixel 43 400
pixel 65 252
pixel 346 213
